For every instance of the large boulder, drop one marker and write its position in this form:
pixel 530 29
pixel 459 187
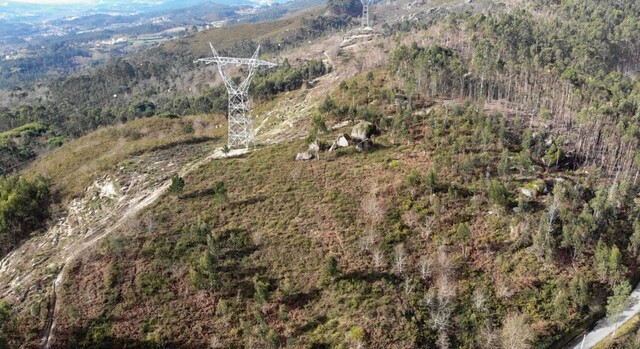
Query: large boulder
pixel 303 156
pixel 363 130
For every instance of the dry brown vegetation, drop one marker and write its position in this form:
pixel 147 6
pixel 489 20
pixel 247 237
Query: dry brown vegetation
pixel 75 165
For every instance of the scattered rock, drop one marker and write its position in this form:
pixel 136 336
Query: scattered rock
pixel 340 125
pixel 108 191
pixel 314 147
pixel 342 141
pixel 303 156
pixel 534 188
pixel 364 145
pixel 363 130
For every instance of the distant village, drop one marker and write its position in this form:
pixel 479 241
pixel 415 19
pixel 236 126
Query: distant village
pixel 29 49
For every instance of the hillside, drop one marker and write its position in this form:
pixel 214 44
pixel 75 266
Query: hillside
pixel 495 206
pixel 163 80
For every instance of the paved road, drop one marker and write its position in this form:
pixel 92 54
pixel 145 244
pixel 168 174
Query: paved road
pixel 605 327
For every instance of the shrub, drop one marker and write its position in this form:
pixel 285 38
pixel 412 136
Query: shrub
pixel 327 106
pixel 357 335
pixel 177 185
pixel 498 194
pixel 150 284
pixel 553 156
pixel 142 108
pixel 432 181
pixel 395 163
pixel 6 324
pixel 98 335
pixel 220 192
pixel 262 293
pixel 188 129
pixel 331 267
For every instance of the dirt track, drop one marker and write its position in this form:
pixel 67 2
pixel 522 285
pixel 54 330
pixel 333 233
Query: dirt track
pixel 136 205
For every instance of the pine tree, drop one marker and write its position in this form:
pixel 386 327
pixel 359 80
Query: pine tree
pixel 331 267
pixel 618 301
pixel 177 185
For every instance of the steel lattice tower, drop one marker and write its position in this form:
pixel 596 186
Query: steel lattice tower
pixel 241 131
pixel 365 14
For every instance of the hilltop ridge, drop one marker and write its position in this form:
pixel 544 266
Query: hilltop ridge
pixel 495 205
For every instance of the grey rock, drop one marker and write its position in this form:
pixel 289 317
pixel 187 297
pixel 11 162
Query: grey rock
pixel 342 141
pixel 314 147
pixel 303 156
pixel 527 192
pixel 534 188
pixel 364 145
pixel 363 130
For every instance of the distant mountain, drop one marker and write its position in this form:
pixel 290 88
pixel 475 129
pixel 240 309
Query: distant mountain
pixel 87 33
pixel 46 12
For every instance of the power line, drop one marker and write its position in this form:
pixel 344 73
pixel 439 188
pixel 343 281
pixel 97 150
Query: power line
pixel 365 14
pixel 241 132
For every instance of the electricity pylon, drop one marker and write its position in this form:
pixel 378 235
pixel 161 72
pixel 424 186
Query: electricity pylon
pixel 241 131
pixel 365 14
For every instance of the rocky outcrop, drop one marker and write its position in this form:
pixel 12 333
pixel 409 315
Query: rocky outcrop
pixel 363 130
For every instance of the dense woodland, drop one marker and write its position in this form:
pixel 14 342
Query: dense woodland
pixel 24 209
pixel 572 71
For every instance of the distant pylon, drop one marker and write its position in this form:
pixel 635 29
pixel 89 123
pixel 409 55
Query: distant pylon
pixel 365 14
pixel 241 131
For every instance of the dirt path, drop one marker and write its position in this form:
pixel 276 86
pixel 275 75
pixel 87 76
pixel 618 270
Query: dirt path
pixel 48 326
pixel 108 226
pixel 329 59
pixel 35 273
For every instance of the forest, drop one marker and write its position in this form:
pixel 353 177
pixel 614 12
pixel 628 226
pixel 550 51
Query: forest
pixel 24 209
pixel 583 87
pixel 496 208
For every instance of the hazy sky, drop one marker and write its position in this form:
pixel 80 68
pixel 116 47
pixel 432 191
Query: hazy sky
pixel 54 1
pixel 58 2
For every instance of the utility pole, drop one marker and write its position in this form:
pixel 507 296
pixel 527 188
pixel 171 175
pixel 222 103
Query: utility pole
pixel 241 133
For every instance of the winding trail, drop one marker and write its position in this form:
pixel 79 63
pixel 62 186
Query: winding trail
pixel 108 226
pixel 48 326
pixel 329 59
pixel 605 327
